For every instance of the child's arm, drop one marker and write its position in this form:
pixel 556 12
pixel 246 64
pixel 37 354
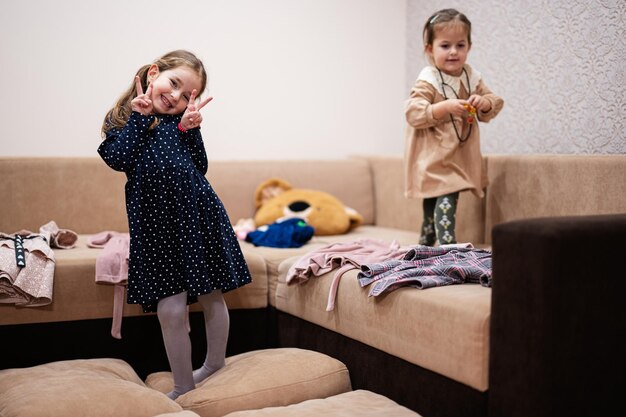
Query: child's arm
pixel 191 119
pixel 120 150
pixel 487 103
pixel 193 139
pixel 422 113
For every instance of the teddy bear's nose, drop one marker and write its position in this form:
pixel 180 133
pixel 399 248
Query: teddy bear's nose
pixel 298 206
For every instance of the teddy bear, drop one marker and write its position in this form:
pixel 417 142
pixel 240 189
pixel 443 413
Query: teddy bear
pixel 276 200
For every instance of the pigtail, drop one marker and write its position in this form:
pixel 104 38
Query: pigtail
pixel 119 114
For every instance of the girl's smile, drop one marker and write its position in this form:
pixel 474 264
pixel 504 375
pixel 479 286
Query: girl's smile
pixel 171 89
pixel 450 49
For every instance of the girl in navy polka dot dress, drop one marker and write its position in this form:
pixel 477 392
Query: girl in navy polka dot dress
pixel 183 248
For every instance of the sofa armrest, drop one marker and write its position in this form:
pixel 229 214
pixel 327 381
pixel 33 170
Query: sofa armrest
pixel 558 313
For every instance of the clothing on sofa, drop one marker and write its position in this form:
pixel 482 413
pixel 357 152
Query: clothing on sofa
pixel 426 267
pixel 112 268
pixel 287 233
pixel 59 238
pixel 343 257
pixel 30 285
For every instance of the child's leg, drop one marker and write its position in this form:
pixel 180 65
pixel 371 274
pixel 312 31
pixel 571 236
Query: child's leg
pixel 445 218
pixel 171 312
pixel 216 321
pixel 428 224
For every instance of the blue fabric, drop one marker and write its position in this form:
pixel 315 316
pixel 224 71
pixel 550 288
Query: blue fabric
pixel 290 233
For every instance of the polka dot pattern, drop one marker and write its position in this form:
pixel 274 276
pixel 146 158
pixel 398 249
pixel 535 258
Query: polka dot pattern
pixel 181 236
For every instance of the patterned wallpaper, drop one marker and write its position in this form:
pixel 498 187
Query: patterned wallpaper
pixel 559 65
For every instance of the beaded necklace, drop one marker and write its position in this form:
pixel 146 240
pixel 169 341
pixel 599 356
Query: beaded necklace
pixel 470 109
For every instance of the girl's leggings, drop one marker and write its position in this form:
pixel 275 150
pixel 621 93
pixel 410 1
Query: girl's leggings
pixel 172 313
pixel 439 220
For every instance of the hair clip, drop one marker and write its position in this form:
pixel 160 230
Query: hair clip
pixel 433 19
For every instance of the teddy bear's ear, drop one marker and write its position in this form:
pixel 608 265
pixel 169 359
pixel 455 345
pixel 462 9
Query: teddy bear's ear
pixel 355 218
pixel 269 189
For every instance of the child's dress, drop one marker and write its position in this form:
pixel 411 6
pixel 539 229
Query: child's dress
pixel 436 162
pixel 181 236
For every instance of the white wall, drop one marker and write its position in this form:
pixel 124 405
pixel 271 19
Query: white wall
pixel 291 78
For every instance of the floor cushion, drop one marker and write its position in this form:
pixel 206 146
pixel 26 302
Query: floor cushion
pixel 261 378
pixel 82 387
pixel 359 403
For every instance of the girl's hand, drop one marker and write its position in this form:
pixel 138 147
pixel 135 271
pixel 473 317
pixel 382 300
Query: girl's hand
pixel 456 107
pixel 192 117
pixel 480 103
pixel 142 103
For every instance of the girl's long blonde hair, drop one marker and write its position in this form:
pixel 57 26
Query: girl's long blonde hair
pixel 119 114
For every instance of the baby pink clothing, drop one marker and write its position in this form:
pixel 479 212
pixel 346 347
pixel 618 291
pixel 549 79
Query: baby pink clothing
pixel 344 256
pixel 112 268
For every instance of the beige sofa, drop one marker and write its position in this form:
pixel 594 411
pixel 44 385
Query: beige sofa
pixel 438 338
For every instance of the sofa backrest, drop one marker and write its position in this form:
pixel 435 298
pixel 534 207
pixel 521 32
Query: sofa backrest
pixel 395 210
pixel 81 194
pixel 350 180
pixel 527 186
pixel 85 195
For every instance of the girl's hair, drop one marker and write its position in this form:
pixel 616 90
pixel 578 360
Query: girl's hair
pixel 445 16
pixel 119 114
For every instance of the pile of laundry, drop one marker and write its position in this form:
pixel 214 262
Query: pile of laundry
pixel 27 264
pixel 389 266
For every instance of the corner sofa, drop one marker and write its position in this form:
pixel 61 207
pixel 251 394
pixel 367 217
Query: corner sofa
pixel 458 350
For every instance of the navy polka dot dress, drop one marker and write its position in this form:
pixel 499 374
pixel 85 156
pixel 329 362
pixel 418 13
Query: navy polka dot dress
pixel 181 236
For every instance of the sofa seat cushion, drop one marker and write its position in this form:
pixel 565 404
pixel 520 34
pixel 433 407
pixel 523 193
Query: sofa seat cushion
pixel 76 296
pixel 262 378
pixel 443 329
pixel 360 403
pixel 92 387
pixel 275 256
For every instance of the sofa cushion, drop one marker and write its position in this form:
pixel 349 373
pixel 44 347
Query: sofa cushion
pixel 263 378
pixel 360 403
pixel 275 256
pixel 443 329
pixel 76 296
pixel 235 182
pixel 394 210
pixel 531 186
pixel 80 194
pixel 94 387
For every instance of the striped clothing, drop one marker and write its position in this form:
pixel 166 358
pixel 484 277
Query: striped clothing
pixel 426 267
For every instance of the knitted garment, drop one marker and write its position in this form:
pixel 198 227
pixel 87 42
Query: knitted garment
pixel 343 257
pixel 426 267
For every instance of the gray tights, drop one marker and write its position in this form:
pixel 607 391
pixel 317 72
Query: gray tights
pixel 172 312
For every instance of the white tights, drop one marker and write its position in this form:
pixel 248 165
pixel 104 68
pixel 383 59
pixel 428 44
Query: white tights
pixel 172 313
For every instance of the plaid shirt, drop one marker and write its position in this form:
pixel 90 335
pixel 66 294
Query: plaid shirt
pixel 426 267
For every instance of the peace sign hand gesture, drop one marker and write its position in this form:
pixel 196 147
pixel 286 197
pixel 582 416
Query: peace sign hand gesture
pixel 192 117
pixel 142 103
